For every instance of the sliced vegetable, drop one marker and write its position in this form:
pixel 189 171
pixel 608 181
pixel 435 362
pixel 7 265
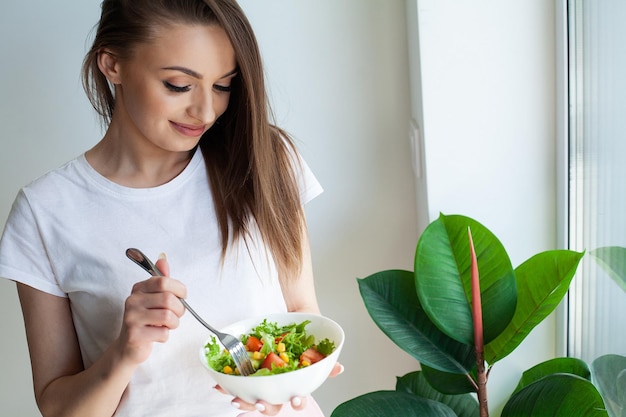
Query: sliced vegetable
pixel 253 344
pixel 273 360
pixel 311 355
pixel 273 349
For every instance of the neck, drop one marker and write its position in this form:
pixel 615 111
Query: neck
pixel 135 164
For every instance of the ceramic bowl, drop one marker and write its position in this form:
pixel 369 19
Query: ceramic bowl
pixel 280 388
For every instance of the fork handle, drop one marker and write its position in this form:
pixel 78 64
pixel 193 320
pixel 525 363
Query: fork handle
pixel 197 316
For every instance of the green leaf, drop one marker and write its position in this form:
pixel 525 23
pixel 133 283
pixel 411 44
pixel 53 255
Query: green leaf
pixel 448 383
pixel 392 404
pixel 621 391
pixel 414 382
pixel 392 302
pixel 609 375
pixel 613 260
pixel 442 274
pixel 556 395
pixel 554 366
pixel 542 282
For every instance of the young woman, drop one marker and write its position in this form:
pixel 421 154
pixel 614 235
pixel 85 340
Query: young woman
pixel 189 166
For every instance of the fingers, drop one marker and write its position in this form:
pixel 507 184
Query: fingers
pixel 337 370
pixel 155 302
pixel 162 309
pixel 162 265
pixel 266 408
pixel 263 407
pixel 148 317
pixel 298 403
pixel 161 285
pixel 151 311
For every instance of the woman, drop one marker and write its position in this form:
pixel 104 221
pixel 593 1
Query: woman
pixel 189 165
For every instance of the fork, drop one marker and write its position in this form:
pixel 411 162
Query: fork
pixel 230 342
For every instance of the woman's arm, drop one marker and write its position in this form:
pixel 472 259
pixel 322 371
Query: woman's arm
pixel 62 386
pixel 299 293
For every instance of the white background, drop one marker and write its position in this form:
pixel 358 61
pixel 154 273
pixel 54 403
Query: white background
pixel 479 82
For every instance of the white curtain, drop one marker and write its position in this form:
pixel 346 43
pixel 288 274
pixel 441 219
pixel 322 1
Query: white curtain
pixel 597 193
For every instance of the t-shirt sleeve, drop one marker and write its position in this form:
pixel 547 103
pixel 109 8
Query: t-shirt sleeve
pixel 308 185
pixel 23 257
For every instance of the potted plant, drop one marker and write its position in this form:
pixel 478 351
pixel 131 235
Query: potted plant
pixel 462 310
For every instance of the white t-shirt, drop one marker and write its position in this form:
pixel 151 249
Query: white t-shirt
pixel 67 234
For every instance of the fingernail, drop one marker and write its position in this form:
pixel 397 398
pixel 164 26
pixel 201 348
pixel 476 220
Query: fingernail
pixel 235 404
pixel 341 369
pixel 296 401
pixel 260 407
pixel 162 255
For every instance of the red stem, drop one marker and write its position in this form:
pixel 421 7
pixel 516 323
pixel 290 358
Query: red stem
pixel 479 343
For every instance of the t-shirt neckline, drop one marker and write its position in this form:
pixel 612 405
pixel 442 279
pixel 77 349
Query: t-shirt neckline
pixel 120 190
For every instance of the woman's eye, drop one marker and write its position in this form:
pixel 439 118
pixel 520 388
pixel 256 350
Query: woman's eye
pixel 175 88
pixel 222 88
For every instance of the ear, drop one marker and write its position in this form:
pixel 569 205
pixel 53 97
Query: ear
pixel 109 65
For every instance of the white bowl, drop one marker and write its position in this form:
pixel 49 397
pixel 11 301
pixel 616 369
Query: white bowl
pixel 280 388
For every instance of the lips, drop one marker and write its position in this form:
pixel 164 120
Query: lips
pixel 189 130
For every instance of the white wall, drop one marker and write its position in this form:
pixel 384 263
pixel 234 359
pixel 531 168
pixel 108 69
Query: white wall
pixel 44 121
pixel 488 117
pixel 482 95
pixel 338 75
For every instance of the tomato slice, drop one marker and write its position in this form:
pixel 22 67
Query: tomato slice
pixel 311 355
pixel 253 344
pixel 280 338
pixel 272 359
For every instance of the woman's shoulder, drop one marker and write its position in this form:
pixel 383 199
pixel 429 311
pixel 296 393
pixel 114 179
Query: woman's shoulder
pixel 59 187
pixel 308 185
pixel 52 179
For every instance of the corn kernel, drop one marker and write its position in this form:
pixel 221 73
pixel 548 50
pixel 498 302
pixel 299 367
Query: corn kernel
pixel 227 370
pixel 305 363
pixel 257 356
pixel 284 356
pixel 281 347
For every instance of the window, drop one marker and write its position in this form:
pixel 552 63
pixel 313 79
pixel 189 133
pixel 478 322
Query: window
pixel 597 172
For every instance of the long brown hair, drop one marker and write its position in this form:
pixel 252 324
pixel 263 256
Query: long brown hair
pixel 250 161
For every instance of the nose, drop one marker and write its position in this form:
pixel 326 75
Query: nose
pixel 202 108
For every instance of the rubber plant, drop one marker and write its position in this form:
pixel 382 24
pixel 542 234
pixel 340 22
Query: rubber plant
pixel 609 371
pixel 463 309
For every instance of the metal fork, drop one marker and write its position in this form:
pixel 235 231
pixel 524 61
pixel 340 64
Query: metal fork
pixel 230 342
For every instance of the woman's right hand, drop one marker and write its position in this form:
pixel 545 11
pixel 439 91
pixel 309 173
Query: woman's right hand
pixel 151 311
pixel 63 386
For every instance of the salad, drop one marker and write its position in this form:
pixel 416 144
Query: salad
pixel 273 349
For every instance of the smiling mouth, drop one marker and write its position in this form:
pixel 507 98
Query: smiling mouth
pixel 189 130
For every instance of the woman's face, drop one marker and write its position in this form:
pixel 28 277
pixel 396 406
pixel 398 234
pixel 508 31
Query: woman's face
pixel 173 89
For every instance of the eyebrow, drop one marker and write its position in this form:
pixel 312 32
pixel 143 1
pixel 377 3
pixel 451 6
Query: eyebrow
pixel 195 74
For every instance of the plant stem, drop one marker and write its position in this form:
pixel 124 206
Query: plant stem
pixel 479 343
pixel 482 384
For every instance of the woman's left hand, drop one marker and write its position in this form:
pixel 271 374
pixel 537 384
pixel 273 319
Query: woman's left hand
pixel 265 408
